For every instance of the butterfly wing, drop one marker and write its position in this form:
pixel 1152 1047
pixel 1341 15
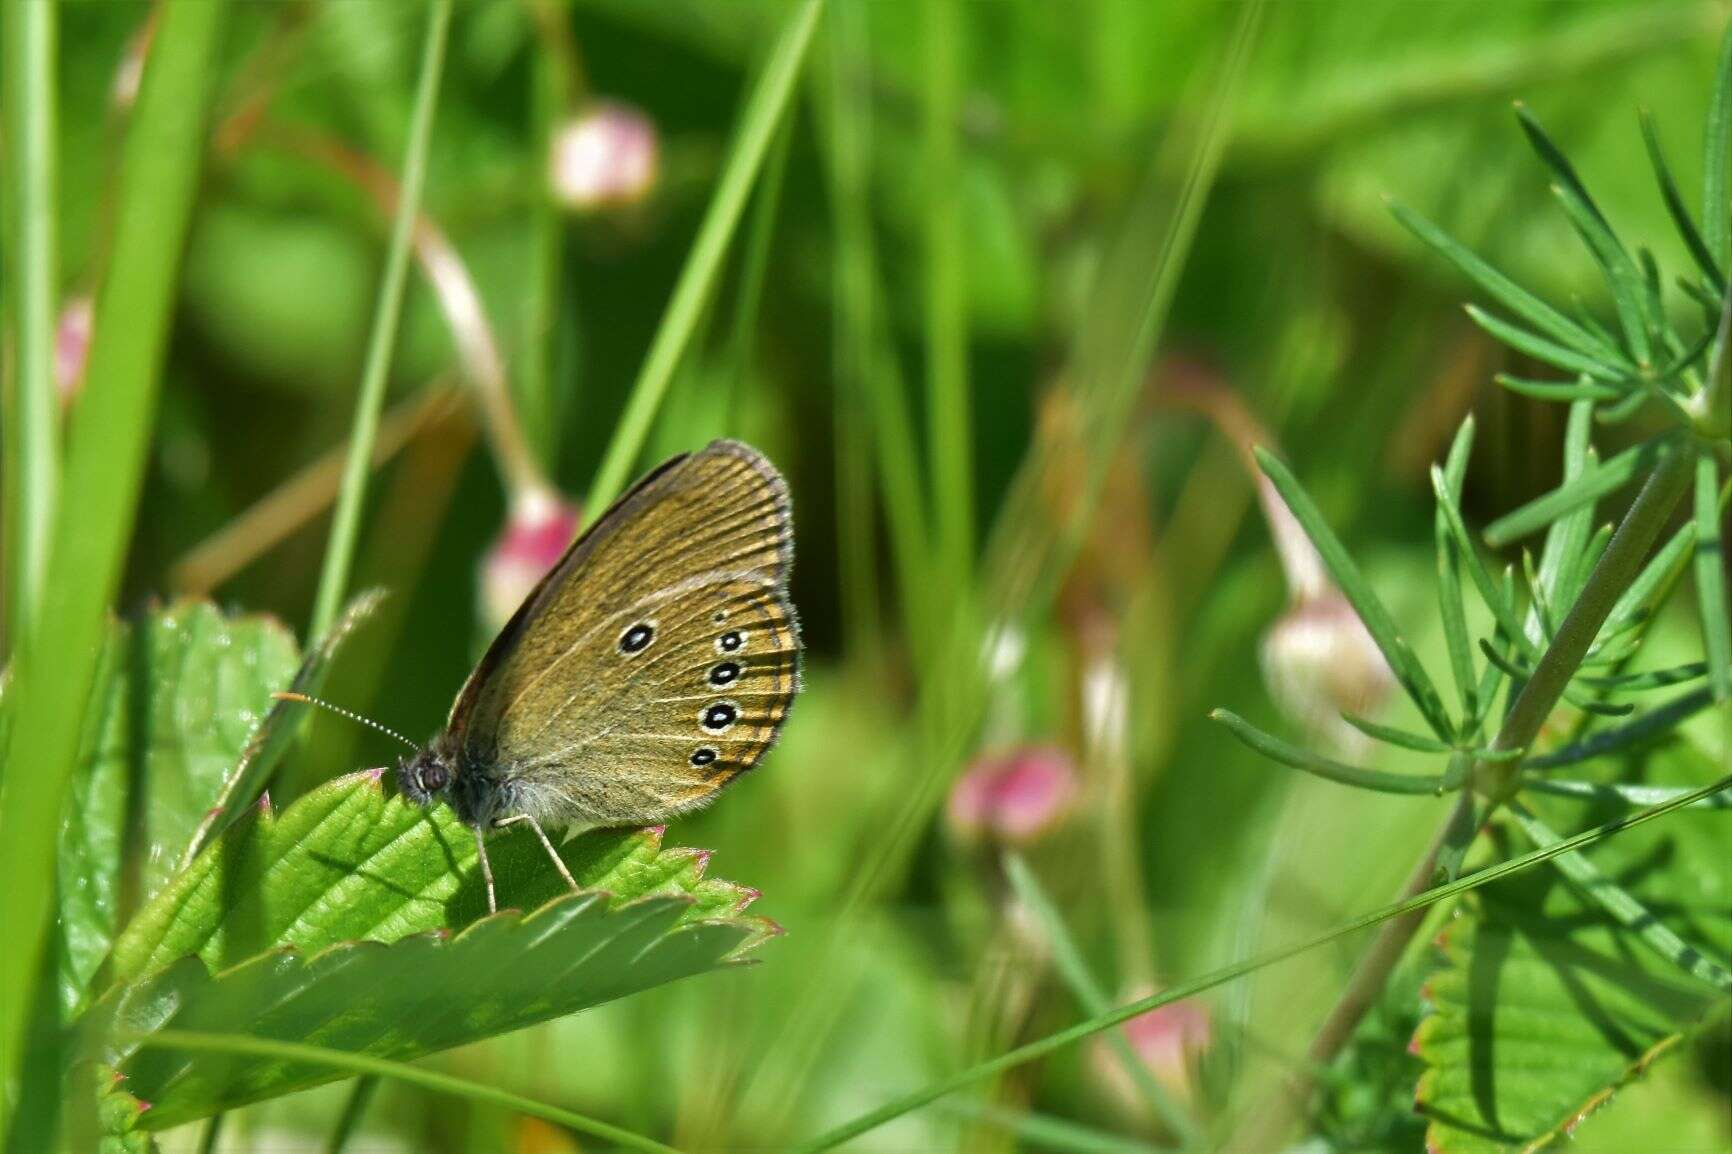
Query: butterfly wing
pixel 655 662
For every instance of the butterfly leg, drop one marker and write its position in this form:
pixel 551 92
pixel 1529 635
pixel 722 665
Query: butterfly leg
pixel 546 844
pixel 486 870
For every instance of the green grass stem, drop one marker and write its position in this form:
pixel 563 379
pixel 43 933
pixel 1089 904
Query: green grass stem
pixel 387 313
pixel 764 112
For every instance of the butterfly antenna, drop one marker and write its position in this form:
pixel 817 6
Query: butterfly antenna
pixel 352 716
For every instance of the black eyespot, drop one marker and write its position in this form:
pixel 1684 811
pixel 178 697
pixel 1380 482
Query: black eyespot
pixel 702 756
pixel 731 641
pixel 725 673
pixel 718 717
pixel 637 638
pixel 721 616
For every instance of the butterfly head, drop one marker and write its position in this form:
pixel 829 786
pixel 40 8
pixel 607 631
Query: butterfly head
pixel 426 777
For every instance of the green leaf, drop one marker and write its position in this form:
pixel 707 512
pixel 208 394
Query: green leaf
pixel 1656 576
pixel 1371 610
pixel 1329 769
pixel 1496 599
pixel 1544 1006
pixel 1654 723
pixel 1542 349
pixel 1448 552
pixel 1583 490
pixel 178 696
pixel 417 996
pixel 1676 208
pixel 1506 292
pixel 1711 579
pixel 313 922
pixel 1585 389
pixel 350 861
pixel 1627 795
pixel 1398 737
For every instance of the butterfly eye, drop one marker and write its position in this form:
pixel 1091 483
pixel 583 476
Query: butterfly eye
pixel 702 756
pixel 724 673
pixel 731 642
pixel 637 638
pixel 433 778
pixel 716 718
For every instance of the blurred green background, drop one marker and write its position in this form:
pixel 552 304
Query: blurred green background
pixel 1023 244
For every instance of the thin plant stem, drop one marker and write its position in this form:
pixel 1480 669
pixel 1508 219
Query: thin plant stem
pixel 388 311
pixel 949 443
pixel 32 448
pixel 1052 1043
pixel 212 1135
pixel 197 1042
pixel 104 472
pixel 764 111
pixel 354 1106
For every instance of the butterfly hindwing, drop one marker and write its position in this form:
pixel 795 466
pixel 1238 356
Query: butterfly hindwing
pixel 656 661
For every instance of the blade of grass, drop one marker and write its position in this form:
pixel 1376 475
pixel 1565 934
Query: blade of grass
pixel 1711 579
pixel 950 446
pixel 104 470
pixel 1298 757
pixel 1449 592
pixel 764 111
pixel 194 1042
pixel 1588 487
pixel 1370 608
pixel 387 313
pixel 1621 904
pixel 753 268
pixel 1085 1029
pixel 32 444
pixel 1052 1133
pixel 1716 155
pixel 1074 969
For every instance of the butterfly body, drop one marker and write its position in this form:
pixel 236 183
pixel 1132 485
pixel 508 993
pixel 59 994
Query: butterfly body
pixel 654 663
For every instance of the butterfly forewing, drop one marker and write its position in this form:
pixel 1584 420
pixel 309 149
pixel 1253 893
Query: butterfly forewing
pixel 657 660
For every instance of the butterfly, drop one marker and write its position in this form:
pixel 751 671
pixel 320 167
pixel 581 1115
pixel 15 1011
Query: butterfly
pixel 652 665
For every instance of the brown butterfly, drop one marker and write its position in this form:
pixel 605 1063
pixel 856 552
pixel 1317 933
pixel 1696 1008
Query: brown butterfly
pixel 652 665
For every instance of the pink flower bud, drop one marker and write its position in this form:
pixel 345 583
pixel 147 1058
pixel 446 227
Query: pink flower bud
pixel 1319 662
pixel 604 158
pixel 536 536
pixel 1167 1040
pixel 72 347
pixel 1014 796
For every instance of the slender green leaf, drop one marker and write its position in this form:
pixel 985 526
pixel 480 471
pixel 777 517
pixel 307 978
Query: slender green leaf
pixel 1622 905
pixel 1626 795
pixel 106 456
pixel 764 111
pixel 1496 599
pixel 1637 601
pixel 1299 757
pixel 1584 389
pixel 1711 579
pixel 1584 490
pixel 1378 622
pixel 382 341
pixel 1597 366
pixel 1399 737
pixel 1675 206
pixel 1449 592
pixel 1654 723
pixel 1536 312
pixel 1650 679
pixel 1623 278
